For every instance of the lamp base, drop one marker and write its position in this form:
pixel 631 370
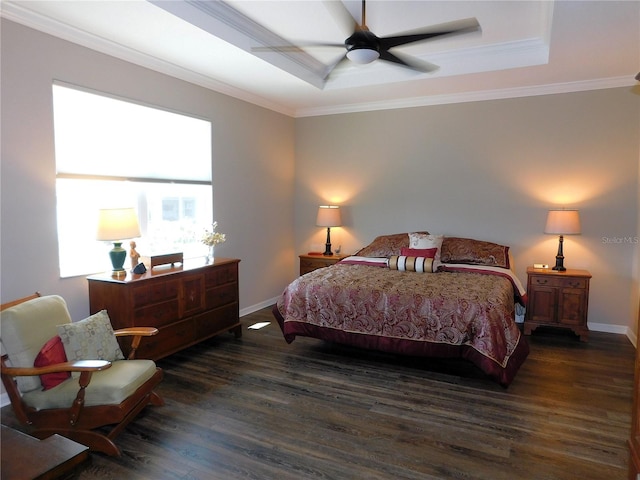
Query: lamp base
pixel 118 256
pixel 560 257
pixel 327 249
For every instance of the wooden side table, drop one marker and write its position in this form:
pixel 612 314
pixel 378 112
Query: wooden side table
pixel 557 299
pixel 309 263
pixel 25 457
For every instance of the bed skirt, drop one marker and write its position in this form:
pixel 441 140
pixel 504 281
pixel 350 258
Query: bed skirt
pixel 503 375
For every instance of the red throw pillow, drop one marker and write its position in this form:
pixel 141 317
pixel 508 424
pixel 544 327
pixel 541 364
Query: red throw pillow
pixel 418 252
pixel 50 354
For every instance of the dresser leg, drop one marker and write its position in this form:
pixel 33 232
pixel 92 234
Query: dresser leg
pixel 237 331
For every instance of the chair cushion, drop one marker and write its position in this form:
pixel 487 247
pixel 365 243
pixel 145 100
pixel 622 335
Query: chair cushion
pixel 26 327
pixel 90 339
pixel 51 354
pixel 108 387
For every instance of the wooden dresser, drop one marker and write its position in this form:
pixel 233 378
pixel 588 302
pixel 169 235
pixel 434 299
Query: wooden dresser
pixel 557 299
pixel 187 303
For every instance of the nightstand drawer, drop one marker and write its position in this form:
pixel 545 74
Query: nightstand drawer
pixel 309 263
pixel 545 281
pixel 312 264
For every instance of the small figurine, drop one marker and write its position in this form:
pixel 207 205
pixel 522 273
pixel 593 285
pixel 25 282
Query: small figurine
pixel 135 256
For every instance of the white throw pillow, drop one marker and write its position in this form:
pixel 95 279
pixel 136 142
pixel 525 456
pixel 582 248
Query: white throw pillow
pixel 424 240
pixel 90 339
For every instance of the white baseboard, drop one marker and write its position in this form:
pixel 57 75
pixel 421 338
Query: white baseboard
pixel 606 328
pixel 258 306
pixel 619 329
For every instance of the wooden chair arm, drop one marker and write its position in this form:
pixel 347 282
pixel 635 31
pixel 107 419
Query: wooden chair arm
pixel 75 366
pixel 137 333
pixel 142 331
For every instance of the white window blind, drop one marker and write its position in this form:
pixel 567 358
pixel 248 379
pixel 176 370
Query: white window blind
pixel 115 153
pixel 104 136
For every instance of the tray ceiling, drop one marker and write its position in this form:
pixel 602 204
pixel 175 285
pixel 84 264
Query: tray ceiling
pixel 524 48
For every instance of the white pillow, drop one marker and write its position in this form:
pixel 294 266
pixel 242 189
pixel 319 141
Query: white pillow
pixel 90 339
pixel 424 240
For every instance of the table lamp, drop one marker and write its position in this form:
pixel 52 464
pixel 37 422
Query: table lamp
pixel 328 216
pixel 116 225
pixel 562 222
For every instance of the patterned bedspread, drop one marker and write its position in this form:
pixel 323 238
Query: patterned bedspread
pixel 442 314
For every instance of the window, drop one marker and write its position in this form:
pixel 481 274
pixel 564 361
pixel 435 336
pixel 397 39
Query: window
pixel 114 153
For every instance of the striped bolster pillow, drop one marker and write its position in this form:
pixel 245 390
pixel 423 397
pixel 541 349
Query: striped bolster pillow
pixel 411 264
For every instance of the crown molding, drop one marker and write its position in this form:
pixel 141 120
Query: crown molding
pixel 476 96
pixel 15 13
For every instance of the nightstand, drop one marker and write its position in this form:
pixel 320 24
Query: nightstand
pixel 557 299
pixel 309 263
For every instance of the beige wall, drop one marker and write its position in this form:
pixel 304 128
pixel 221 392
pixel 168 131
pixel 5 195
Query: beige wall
pixel 487 170
pixel 253 167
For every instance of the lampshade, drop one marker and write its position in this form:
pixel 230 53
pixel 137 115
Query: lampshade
pixel 362 55
pixel 328 216
pixel 563 222
pixel 117 224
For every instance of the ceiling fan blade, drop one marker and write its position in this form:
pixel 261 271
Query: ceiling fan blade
pixel 457 27
pixel 342 16
pixel 296 48
pixel 409 62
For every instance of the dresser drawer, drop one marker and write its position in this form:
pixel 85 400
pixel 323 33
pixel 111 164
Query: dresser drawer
pixel 225 274
pixel 217 321
pixel 222 295
pixel 168 340
pixel 157 315
pixel 154 293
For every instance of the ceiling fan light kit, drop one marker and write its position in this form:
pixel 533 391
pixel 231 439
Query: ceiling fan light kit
pixel 362 55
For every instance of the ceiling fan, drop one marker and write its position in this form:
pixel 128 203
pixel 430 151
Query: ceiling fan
pixel 363 46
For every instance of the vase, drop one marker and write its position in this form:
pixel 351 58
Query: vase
pixel 210 256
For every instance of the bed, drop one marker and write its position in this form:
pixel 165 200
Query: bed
pixel 415 294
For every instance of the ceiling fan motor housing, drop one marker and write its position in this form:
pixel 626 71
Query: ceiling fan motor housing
pixel 363 47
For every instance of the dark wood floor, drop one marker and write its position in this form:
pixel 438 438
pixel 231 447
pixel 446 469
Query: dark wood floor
pixel 258 408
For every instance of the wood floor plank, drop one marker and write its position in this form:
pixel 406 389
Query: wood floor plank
pixel 259 408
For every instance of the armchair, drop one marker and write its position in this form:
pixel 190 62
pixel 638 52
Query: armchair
pixel 84 394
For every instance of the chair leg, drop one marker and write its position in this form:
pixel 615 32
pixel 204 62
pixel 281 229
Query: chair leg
pixel 94 440
pixel 99 442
